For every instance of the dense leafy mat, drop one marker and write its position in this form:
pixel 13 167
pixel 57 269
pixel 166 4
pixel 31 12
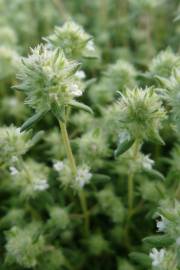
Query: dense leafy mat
pixel 89 134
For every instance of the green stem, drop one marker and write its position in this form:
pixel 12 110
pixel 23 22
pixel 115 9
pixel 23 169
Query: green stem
pixel 131 181
pixel 73 167
pixel 131 196
pixel 68 149
pixel 130 193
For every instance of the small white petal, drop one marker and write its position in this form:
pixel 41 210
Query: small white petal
pixel 80 74
pixel 83 176
pixel 161 224
pixel 13 171
pixel 58 166
pixel 75 91
pixel 41 185
pixel 90 45
pixel 157 256
pixel 14 159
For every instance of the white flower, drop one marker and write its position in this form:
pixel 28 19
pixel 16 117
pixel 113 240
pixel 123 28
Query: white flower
pixel 147 162
pixel 13 170
pixel 161 224
pixel 90 45
pixel 75 91
pixel 18 131
pixel 58 166
pixel 83 176
pixel 41 184
pixel 14 159
pixel 80 74
pixel 157 256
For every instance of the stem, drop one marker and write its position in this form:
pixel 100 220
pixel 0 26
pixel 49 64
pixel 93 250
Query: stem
pixel 130 193
pixel 131 196
pixel 73 167
pixel 68 149
pixel 131 181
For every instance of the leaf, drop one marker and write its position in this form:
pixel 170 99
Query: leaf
pixel 33 120
pixel 141 258
pixel 177 18
pixel 159 240
pixel 37 137
pixel 154 173
pixel 81 106
pixel 19 87
pixel 101 178
pixel 163 81
pixel 88 83
pixel 124 143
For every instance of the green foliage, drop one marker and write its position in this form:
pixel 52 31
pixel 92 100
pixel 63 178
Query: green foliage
pixel 141 113
pixel 85 196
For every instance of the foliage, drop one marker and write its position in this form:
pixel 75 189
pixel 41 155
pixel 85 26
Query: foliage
pixel 89 135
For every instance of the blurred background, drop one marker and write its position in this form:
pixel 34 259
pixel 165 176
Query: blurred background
pixel 131 30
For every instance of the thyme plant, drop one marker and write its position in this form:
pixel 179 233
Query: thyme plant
pixel 89 135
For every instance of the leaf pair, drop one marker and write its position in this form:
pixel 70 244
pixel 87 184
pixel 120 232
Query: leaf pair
pixel 58 111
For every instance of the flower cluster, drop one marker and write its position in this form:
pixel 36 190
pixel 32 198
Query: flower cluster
pixel 47 78
pixel 13 144
pixel 30 178
pixel 72 38
pixel 164 63
pixel 24 246
pixel 116 77
pixel 172 94
pixel 82 177
pixel 141 113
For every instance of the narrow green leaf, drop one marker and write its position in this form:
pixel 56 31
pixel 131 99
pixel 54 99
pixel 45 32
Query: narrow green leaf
pixel 90 82
pixel 155 174
pixel 124 143
pixel 101 177
pixel 141 258
pixel 36 138
pixel 19 87
pixel 33 120
pixel 159 240
pixel 81 106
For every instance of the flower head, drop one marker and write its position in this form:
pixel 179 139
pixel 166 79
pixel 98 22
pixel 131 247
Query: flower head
pixel 72 38
pixel 164 63
pixel 13 143
pixel 141 113
pixel 31 179
pixel 24 245
pixel 82 177
pixel 47 77
pixel 172 94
